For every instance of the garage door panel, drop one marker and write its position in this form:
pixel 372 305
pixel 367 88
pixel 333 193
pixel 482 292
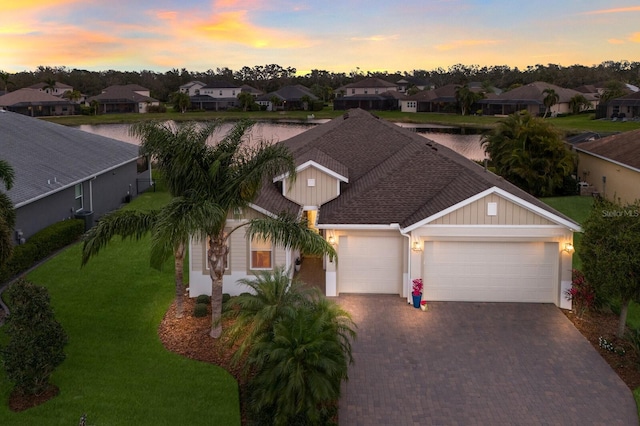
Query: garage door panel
pixel 491 272
pixel 370 264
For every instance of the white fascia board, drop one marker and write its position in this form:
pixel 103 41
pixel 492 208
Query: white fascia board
pixel 263 211
pixel 360 227
pixel 311 163
pixel 609 160
pixel 504 194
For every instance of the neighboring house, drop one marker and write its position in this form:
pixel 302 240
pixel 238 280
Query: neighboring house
pixel 385 101
pixel 59 89
pixel 192 88
pixel 62 172
pixel 123 99
pixel 397 206
pixel 287 98
pixel 441 99
pixel 611 165
pixel 622 108
pixel 531 98
pixel 368 86
pixel 215 96
pixel 36 103
pixel 408 82
pixel 250 89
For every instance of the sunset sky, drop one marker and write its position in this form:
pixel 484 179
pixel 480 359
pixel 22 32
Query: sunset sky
pixel 338 36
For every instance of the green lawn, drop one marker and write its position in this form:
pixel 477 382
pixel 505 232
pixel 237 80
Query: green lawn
pixel 117 371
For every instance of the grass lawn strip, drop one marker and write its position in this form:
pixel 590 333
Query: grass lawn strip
pixel 117 371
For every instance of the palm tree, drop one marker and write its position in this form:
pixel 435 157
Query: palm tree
pixel 49 85
pixel 234 180
pixel 273 296
pixel 175 151
pixel 181 101
pixel 4 78
pixel 7 213
pixel 300 368
pixel 550 99
pixel 466 98
pixel 529 153
pixel 578 102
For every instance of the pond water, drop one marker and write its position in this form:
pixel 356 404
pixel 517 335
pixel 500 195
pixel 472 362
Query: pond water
pixel 463 141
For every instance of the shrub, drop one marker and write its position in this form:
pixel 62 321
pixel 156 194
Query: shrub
pixel 157 108
pixel 203 298
pixel 40 245
pixel 200 310
pixel 581 293
pixel 36 339
pixel 225 297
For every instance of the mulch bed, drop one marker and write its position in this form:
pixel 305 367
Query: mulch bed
pixel 19 402
pixel 597 324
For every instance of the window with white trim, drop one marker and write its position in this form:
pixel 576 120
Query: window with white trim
pixel 79 201
pixel 261 254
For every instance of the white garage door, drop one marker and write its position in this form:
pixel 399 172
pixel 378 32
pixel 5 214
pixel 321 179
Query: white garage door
pixel 491 272
pixel 370 264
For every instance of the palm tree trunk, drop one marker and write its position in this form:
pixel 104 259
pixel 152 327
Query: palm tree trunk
pixel 623 318
pixel 179 273
pixel 217 257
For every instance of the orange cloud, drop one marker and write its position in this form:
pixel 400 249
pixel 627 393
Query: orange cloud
pixel 460 44
pixel 615 10
pixel 615 41
pixel 235 27
pixel 635 37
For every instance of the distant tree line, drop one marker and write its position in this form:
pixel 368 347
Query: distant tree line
pixel 324 83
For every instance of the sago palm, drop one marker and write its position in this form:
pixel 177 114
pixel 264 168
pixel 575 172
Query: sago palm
pixel 299 371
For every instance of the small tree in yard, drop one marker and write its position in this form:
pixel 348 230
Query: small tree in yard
pixel 36 342
pixel 610 253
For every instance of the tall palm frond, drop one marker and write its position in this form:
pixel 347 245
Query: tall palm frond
pixel 124 223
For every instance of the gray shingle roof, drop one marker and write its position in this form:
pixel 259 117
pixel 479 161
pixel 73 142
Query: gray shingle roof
pixel 31 97
pixel 623 148
pixel 370 82
pixel 395 175
pixel 533 93
pixel 118 93
pixel 48 157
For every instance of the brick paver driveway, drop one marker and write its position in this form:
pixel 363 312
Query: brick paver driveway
pixel 476 364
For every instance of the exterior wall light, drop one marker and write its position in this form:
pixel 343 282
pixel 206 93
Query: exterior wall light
pixel 416 246
pixel 331 240
pixel 568 247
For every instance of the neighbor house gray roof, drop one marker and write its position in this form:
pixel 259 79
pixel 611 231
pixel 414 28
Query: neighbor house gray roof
pixel 623 148
pixel 57 85
pixel 532 93
pixel 370 82
pixel 394 175
pixel 289 93
pixel 48 157
pixel 632 99
pixel 26 97
pixel 123 93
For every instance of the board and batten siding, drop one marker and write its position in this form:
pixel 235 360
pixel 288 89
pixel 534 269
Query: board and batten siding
pixel 475 213
pixel 312 187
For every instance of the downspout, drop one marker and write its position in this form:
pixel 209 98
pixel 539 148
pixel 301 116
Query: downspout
pixel 409 299
pixel 91 192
